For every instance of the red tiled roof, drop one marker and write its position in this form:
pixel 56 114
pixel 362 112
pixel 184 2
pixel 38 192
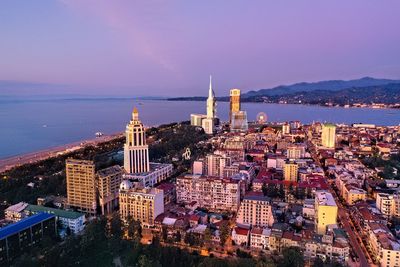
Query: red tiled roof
pixel 241 231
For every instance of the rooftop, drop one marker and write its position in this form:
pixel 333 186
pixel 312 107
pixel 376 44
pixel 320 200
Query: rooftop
pixel 17 207
pixel 325 198
pixel 24 224
pixel 57 212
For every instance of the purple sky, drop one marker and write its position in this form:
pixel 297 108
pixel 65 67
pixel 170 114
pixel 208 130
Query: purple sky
pixel 170 47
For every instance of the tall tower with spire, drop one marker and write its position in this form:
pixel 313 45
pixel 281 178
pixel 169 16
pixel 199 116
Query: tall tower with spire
pixel 211 104
pixel 136 151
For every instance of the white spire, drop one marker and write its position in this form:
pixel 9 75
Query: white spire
pixel 210 91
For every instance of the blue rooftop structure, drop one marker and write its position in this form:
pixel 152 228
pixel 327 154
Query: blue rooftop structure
pixel 24 224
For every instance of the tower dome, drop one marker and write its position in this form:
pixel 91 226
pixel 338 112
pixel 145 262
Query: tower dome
pixel 125 185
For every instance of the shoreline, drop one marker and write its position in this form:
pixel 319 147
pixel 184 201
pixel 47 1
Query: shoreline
pixel 301 104
pixel 32 157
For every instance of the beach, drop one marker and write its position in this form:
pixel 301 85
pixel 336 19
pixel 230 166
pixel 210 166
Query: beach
pixel 10 162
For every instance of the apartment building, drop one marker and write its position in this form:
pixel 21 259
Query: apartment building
pixel 255 210
pixel 212 193
pixel 108 181
pixel 388 204
pixel 325 211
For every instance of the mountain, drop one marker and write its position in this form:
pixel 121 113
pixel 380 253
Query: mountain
pixel 332 85
pixel 386 94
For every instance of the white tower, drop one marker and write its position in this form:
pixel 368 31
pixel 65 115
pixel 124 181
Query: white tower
pixel 211 105
pixel 136 151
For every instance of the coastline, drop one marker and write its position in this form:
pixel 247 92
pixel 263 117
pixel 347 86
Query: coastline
pixel 31 157
pixel 367 106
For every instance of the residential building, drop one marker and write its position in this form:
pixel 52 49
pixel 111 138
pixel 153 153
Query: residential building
pixel 290 171
pixel 141 204
pixel 216 163
pixel 328 136
pixel 384 245
pixel 255 210
pixel 212 193
pixel 241 236
pixel 388 204
pixel 81 185
pixel 325 211
pixel 15 212
pixel 108 181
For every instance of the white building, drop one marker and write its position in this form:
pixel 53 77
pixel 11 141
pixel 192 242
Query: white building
pixel 16 212
pixel 136 151
pixel 157 173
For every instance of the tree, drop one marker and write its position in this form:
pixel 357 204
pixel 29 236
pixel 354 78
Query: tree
pixel 207 235
pixel 134 229
pixel 178 236
pixel 116 226
pixel 224 233
pixel 164 233
pixel 292 257
pixel 264 189
pixel 318 262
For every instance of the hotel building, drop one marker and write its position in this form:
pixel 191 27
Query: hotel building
pixel 136 151
pixel 81 185
pixel 141 204
pixel 234 104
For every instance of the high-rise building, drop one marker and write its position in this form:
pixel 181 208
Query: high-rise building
pixel 325 211
pixel 234 102
pixel 208 125
pixel 328 136
pixel 141 204
pixel 216 163
pixel 290 171
pixel 211 104
pixel 81 185
pixel 108 181
pixel 196 119
pixel 239 121
pixel 136 151
pixel 255 209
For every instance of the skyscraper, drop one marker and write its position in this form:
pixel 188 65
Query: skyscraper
pixel 234 102
pixel 239 121
pixel 328 136
pixel 136 151
pixel 81 185
pixel 211 104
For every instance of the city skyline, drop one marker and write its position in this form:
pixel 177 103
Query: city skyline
pixel 158 49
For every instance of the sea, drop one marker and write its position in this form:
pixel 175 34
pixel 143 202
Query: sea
pixel 32 124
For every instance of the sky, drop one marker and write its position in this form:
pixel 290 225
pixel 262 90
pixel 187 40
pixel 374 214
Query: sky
pixel 169 48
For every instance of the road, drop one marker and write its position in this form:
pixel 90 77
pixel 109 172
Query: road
pixel 343 215
pixel 8 163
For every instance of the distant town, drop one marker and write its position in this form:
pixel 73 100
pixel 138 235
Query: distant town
pixel 207 192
